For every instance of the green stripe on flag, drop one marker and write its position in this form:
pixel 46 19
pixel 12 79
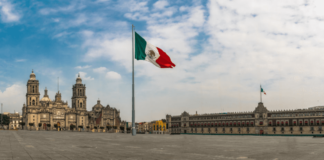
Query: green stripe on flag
pixel 140 45
pixel 261 89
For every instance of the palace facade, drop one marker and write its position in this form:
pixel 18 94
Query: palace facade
pixel 58 113
pixel 260 121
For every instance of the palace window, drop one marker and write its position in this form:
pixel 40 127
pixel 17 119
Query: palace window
pixel 317 122
pixel 320 128
pixel 282 129
pixel 248 129
pixel 269 123
pixel 239 129
pixel 223 129
pixel 216 129
pixel 300 128
pixel 273 129
pixel 291 128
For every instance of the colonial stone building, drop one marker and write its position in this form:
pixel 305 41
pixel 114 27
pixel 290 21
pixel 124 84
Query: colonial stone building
pixel 57 112
pixel 260 121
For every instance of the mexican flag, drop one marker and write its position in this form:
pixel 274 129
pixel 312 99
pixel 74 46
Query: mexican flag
pixel 263 91
pixel 146 51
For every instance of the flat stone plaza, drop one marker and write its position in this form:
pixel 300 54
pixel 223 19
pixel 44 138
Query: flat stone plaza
pixel 65 145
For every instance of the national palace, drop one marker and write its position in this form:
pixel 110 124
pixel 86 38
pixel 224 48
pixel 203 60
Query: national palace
pixel 260 121
pixel 41 112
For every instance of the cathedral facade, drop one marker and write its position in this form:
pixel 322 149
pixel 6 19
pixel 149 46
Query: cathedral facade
pixel 58 113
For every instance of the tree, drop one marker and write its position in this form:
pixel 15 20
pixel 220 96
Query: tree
pixel 72 126
pixel 22 124
pixel 30 125
pixel 48 125
pixel 5 120
pixel 55 125
pixel 39 125
pixel 122 128
pixel 95 127
pixel 108 127
pixel 102 127
pixel 80 127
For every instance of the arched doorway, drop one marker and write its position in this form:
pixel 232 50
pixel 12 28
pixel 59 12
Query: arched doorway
pixel 71 128
pixel 44 126
pixel 261 131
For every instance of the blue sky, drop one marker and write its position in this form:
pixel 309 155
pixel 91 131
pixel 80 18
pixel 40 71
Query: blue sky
pixel 223 51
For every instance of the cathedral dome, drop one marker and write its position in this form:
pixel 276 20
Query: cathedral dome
pixel 32 76
pixel 79 80
pixel 97 107
pixel 45 99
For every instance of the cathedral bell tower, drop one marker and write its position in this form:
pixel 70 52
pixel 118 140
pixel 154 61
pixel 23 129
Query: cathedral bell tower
pixel 32 96
pixel 79 98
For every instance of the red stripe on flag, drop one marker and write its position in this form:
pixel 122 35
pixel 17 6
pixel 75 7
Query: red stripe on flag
pixel 164 60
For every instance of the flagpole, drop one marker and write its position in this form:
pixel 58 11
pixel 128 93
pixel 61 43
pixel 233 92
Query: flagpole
pixel 133 96
pixel 260 95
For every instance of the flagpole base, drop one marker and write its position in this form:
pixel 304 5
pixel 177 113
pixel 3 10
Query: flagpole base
pixel 134 132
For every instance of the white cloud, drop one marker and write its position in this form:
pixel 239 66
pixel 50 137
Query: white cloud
pixel 161 4
pixel 100 70
pixel 113 75
pixel 7 12
pixel 20 60
pixel 83 75
pixel 82 67
pixel 70 8
pixel 13 97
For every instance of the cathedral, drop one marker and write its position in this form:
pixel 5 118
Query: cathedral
pixel 58 113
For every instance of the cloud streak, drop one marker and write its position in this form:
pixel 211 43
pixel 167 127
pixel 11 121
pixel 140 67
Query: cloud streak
pixel 8 12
